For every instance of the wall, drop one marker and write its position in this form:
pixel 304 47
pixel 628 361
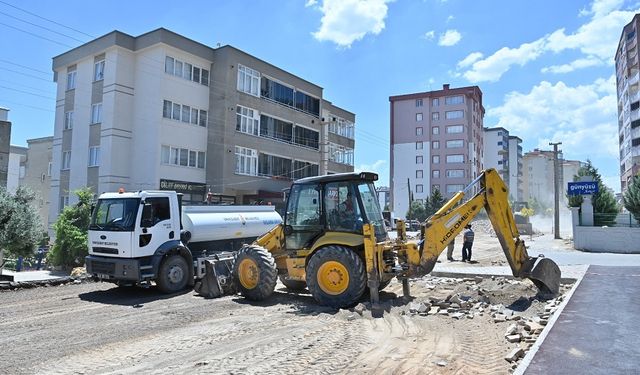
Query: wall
pixel 609 240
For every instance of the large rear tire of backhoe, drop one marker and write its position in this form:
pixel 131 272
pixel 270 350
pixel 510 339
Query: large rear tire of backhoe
pixel 295 285
pixel 255 273
pixel 336 276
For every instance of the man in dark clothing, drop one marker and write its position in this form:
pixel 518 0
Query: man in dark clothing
pixel 467 244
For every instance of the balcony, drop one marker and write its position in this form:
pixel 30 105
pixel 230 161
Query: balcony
pixel 633 79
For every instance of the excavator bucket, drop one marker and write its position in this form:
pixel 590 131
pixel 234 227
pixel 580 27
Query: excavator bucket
pixel 214 276
pixel 545 274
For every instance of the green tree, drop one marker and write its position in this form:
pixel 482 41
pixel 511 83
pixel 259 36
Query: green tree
pixel 631 198
pixel 435 202
pixel 20 227
pixel 604 202
pixel 70 246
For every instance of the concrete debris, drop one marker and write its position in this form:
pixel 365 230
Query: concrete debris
pixel 441 363
pixel 499 318
pixel 511 330
pixel 359 309
pixel 514 338
pixel 533 327
pixel 514 355
pixel 457 315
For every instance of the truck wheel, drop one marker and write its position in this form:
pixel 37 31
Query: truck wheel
pixel 336 276
pixel 173 274
pixel 255 273
pixel 295 285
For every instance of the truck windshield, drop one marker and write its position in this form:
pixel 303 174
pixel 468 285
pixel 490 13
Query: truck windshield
pixel 372 209
pixel 115 214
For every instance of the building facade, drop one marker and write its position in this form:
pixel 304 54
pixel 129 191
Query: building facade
pixel 628 89
pixel 161 111
pixel 503 152
pixel 538 176
pixel 36 175
pixel 5 145
pixel 515 168
pixel 16 167
pixel 436 143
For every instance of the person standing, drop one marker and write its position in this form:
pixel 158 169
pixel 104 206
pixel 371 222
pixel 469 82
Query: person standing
pixel 450 247
pixel 467 244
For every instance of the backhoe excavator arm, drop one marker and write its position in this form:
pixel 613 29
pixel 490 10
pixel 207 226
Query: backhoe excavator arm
pixel 450 220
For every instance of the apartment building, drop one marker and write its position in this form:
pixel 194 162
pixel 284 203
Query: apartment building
pixel 436 143
pixel 515 168
pixel 161 111
pixel 36 173
pixel 5 144
pixel 15 167
pixel 628 89
pixel 538 176
pixel 383 196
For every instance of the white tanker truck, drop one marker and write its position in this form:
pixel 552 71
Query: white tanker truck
pixel 144 236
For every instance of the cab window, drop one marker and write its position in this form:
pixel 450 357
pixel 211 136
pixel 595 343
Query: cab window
pixel 155 210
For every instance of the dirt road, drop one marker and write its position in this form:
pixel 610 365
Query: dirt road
pixel 97 328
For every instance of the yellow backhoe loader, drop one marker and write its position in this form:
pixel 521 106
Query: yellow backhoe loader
pixel 333 241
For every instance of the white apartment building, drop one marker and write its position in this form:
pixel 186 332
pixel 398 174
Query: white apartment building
pixel 515 168
pixel 436 143
pixel 161 111
pixel 538 176
pixel 503 152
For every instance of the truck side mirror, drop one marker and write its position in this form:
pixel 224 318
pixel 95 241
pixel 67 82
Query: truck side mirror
pixel 147 216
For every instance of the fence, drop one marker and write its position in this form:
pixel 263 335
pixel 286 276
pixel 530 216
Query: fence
pixel 614 220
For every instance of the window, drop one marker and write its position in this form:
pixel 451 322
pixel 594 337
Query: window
pixel 456 158
pixel 453 114
pixel 454 188
pixel 276 129
pixel 182 157
pixel 176 111
pixel 435 130
pixel 66 160
pixel 499 162
pixel 435 116
pixel 419 188
pixel 204 77
pixel 188 71
pixel 419 145
pixel 435 159
pixel 435 173
pixel 340 154
pixel 418 131
pixel 455 129
pixel 451 100
pixel 203 118
pixel 271 165
pixel 160 211
pixel 435 102
pixel 343 127
pixel 98 71
pixel 456 143
pixel 246 161
pixel 186 114
pixel 166 109
pixel 435 145
pixel 307 103
pixel 306 137
pixel 96 113
pixel 419 159
pixel 419 173
pixel 499 143
pixel 68 120
pixel 418 102
pixel 455 173
pixel 248 80
pixel 302 169
pixel 49 168
pixel 418 116
pixel 64 202
pixel 169 65
pixel 94 156
pixel 194 116
pixel 178 69
pixel 71 80
pixel 247 120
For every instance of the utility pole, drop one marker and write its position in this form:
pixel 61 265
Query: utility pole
pixel 556 191
pixel 409 191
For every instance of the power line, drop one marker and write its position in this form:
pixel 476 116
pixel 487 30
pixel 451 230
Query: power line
pixel 27 92
pixel 42 27
pixel 24 66
pixel 46 19
pixel 27 105
pixel 25 74
pixel 36 35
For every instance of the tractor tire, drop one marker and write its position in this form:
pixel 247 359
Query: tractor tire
pixel 255 272
pixel 173 274
pixel 295 285
pixel 336 276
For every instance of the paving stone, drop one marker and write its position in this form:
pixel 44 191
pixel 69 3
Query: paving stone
pixel 499 318
pixel 514 355
pixel 533 327
pixel 514 338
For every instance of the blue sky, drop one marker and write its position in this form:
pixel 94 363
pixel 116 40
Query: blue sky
pixel 545 67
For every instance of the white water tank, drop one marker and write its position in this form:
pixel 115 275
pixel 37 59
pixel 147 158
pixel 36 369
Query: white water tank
pixel 212 223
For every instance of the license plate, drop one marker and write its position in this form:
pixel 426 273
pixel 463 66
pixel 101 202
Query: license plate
pixel 103 276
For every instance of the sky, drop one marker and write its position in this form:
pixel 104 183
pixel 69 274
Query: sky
pixel 545 67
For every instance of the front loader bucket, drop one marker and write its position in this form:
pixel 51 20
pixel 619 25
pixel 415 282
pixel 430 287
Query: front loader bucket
pixel 545 274
pixel 214 276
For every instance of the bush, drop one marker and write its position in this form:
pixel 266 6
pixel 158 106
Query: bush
pixel 71 245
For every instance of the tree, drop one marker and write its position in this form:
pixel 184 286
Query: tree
pixel 604 202
pixel 20 227
pixel 417 211
pixel 70 246
pixel 435 202
pixel 631 198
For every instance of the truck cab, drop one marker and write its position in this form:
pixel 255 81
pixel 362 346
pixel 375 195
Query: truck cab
pixel 131 233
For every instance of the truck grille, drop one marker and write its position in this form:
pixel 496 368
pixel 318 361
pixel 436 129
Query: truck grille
pixel 103 267
pixel 105 250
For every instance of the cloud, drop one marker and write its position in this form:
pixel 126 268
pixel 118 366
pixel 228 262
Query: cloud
pixel 429 35
pixel 449 38
pixel 346 21
pixel 310 3
pixel 379 167
pixel 596 39
pixel 574 65
pixel 583 118
pixel 450 18
pixel 469 60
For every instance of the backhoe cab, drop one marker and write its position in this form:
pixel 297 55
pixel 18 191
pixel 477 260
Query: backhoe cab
pixel 333 241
